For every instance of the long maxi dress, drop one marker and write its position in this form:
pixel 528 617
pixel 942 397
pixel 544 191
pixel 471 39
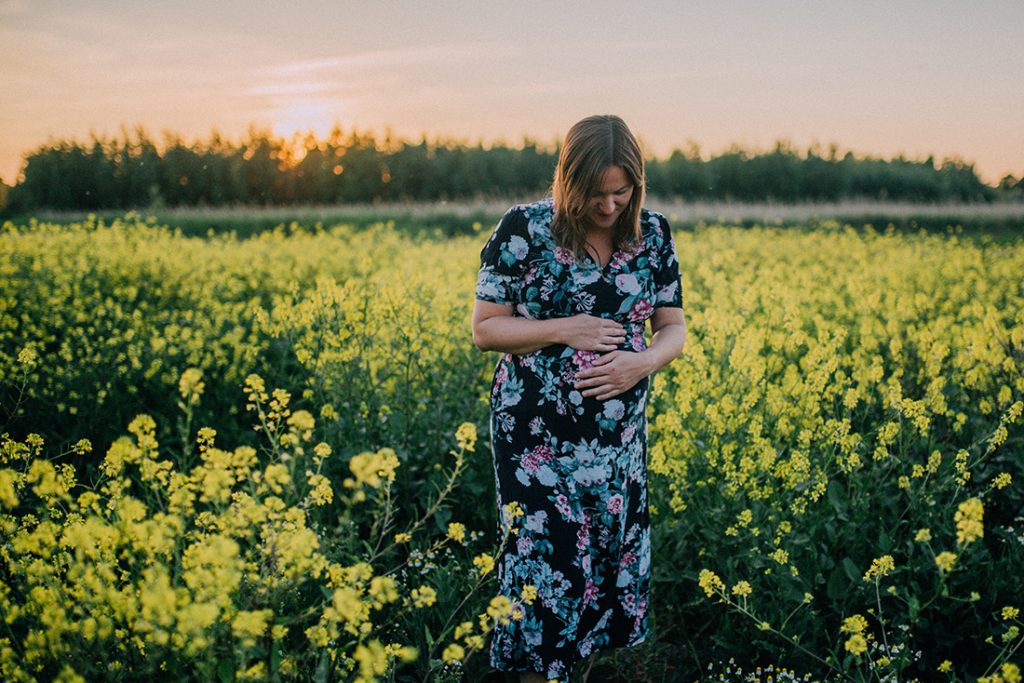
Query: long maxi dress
pixel 576 466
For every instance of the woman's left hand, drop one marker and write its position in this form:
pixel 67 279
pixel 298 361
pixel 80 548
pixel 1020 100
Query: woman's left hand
pixel 611 374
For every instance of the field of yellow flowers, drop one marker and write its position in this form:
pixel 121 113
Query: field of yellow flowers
pixel 267 458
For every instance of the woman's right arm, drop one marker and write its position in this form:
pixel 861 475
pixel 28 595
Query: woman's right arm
pixel 495 328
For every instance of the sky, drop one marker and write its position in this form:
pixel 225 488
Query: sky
pixel 912 77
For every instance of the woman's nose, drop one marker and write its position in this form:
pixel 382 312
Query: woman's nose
pixel 607 204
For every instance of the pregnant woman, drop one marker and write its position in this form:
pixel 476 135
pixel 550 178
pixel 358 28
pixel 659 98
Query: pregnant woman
pixel 565 289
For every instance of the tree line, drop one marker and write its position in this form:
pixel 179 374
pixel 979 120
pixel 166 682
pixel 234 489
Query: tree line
pixel 132 171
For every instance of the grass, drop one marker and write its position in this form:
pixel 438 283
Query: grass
pixel 999 220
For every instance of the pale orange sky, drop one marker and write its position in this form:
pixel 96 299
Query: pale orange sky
pixel 880 78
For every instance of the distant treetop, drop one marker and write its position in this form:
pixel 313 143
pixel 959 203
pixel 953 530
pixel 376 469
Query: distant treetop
pixel 132 171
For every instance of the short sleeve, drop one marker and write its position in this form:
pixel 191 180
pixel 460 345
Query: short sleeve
pixel 667 285
pixel 503 259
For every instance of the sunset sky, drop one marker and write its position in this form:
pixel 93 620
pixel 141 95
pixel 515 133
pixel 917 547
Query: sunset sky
pixel 882 78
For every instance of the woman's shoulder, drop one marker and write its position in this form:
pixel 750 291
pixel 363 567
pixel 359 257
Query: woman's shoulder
pixel 539 210
pixel 524 223
pixel 532 218
pixel 653 224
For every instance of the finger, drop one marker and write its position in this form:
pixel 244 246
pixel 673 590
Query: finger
pixel 591 380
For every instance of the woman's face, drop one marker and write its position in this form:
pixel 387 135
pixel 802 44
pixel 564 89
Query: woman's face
pixel 610 199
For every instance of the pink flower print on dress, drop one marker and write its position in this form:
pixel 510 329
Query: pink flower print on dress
pixel 636 338
pixel 641 310
pixel 530 463
pixel 584 359
pixel 627 282
pixel 614 504
pixel 590 592
pixel 627 433
pixel 532 460
pixel 562 505
pixel 564 256
pixel 500 377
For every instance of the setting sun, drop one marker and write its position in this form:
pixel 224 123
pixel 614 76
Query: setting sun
pixel 305 116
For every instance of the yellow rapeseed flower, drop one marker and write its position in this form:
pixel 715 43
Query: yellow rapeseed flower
pixel 463 629
pixel 453 654
pixel 465 436
pixel 373 469
pixel 383 589
pixel 372 659
pixel 945 667
pixel 710 583
pixel 456 531
pixel 742 588
pixel 923 535
pixel 511 512
pixel 484 563
pixel 320 491
pixel 880 566
pixel 500 609
pixel 856 644
pixel 249 626
pixel 28 357
pixel 854 624
pixel 321 450
pixel 9 479
pixel 1010 612
pixel 348 604
pixel 424 596
pixel 968 519
pixel 301 421
pixel 191 386
pixel 945 561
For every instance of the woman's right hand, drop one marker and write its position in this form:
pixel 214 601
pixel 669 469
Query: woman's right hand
pixel 497 328
pixel 591 333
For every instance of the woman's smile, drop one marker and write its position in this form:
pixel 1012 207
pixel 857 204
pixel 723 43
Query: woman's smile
pixel 611 198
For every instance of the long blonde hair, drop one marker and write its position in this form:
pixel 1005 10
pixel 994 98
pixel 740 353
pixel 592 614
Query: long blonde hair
pixel 591 147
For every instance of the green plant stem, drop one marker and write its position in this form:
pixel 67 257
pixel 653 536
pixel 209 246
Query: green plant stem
pixel 881 623
pixel 772 629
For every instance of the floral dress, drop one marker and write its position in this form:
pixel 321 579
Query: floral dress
pixel 576 564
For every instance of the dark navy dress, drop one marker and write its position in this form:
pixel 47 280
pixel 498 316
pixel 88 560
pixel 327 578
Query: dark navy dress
pixel 577 567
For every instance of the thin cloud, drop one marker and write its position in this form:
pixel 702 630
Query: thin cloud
pixel 12 8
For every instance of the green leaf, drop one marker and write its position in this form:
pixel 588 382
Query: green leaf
pixel 429 638
pixel 323 668
pixel 913 607
pixel 884 542
pixel 226 670
pixel 837 585
pixel 835 496
pixel 851 569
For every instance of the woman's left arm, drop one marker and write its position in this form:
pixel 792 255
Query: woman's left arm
pixel 617 371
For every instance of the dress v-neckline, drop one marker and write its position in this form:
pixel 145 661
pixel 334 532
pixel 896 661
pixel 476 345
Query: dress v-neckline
pixel 603 267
